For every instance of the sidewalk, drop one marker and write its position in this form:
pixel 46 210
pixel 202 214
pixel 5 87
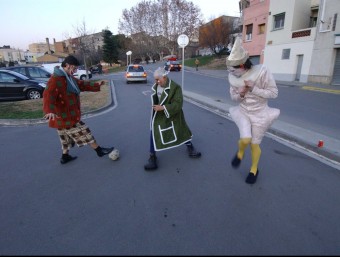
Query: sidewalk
pixel 300 138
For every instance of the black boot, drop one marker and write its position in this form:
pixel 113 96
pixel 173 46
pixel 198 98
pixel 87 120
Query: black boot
pixel 65 158
pixel 236 162
pixel 152 163
pixel 192 152
pixel 101 151
pixel 251 178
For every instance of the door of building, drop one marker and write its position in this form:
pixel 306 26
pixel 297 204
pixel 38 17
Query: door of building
pixel 299 67
pixel 336 72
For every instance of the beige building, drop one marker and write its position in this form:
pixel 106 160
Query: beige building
pixel 302 35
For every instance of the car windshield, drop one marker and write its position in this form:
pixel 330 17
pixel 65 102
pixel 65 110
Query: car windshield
pixel 136 68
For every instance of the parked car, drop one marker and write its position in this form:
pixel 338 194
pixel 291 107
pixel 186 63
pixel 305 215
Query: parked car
pixel 80 73
pixel 136 72
pixel 96 69
pixel 33 72
pixel 15 86
pixel 172 66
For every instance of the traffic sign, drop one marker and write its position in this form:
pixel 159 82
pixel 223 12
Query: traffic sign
pixel 183 40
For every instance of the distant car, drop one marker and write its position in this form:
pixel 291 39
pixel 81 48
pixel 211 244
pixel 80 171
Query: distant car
pixel 15 86
pixel 33 72
pixel 172 66
pixel 80 73
pixel 136 72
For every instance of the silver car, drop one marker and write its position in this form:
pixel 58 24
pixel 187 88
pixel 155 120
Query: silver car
pixel 32 71
pixel 136 72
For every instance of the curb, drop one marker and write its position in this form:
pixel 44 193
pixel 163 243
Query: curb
pixel 296 138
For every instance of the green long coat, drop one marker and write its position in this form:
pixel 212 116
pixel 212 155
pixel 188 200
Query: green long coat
pixel 169 128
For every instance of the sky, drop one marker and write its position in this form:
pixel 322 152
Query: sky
pixel 32 21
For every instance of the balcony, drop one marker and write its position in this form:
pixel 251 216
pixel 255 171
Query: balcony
pixel 304 34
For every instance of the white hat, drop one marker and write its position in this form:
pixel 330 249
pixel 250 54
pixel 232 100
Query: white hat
pixel 238 55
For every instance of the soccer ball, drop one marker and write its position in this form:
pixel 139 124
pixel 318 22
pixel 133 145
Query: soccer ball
pixel 114 155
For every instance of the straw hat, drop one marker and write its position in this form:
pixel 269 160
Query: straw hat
pixel 238 55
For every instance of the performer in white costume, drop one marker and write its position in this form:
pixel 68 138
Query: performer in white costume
pixel 251 86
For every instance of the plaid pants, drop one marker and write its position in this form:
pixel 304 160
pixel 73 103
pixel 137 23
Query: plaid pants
pixel 79 134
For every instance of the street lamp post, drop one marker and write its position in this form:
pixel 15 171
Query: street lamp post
pixel 183 41
pixel 128 53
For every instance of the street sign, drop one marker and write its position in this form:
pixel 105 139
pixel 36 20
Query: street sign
pixel 183 40
pixel 128 53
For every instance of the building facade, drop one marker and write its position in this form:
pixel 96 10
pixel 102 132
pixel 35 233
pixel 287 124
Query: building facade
pixel 254 19
pixel 302 35
pixel 325 64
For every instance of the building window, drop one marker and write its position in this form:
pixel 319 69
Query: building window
pixel 285 54
pixel 279 21
pixel 313 18
pixel 334 21
pixel 262 28
pixel 249 32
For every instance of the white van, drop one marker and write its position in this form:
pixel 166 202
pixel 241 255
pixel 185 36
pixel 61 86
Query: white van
pixel 80 74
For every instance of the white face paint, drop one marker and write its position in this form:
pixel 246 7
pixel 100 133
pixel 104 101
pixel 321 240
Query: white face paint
pixel 70 69
pixel 237 72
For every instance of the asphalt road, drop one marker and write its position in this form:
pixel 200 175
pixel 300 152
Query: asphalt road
pixel 95 206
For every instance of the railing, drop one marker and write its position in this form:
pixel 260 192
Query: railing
pixel 304 33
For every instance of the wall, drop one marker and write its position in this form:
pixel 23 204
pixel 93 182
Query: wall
pixel 256 14
pixel 325 47
pixel 297 14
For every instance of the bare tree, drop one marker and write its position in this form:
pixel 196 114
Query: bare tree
pixel 84 43
pixel 156 24
pixel 217 34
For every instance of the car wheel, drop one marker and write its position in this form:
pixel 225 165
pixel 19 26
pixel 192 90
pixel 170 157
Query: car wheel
pixel 33 94
pixel 127 82
pixel 82 77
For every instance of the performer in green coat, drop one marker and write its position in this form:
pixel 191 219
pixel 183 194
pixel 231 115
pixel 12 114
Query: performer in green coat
pixel 168 126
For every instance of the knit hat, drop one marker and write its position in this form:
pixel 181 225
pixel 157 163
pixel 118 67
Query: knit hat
pixel 238 55
pixel 71 60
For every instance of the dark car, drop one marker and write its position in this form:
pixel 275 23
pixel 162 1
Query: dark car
pixel 172 66
pixel 32 72
pixel 15 86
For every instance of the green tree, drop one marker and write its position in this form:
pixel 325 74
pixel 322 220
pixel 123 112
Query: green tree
pixel 110 54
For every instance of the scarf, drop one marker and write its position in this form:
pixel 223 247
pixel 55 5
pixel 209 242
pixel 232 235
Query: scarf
pixel 72 86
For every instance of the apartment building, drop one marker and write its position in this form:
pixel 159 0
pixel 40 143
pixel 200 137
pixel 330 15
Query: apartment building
pixel 303 40
pixel 255 18
pixel 8 54
pixel 325 64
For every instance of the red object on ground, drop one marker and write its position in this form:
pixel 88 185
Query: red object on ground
pixel 320 144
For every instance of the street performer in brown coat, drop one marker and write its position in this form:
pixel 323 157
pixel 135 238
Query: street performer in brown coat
pixel 61 105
